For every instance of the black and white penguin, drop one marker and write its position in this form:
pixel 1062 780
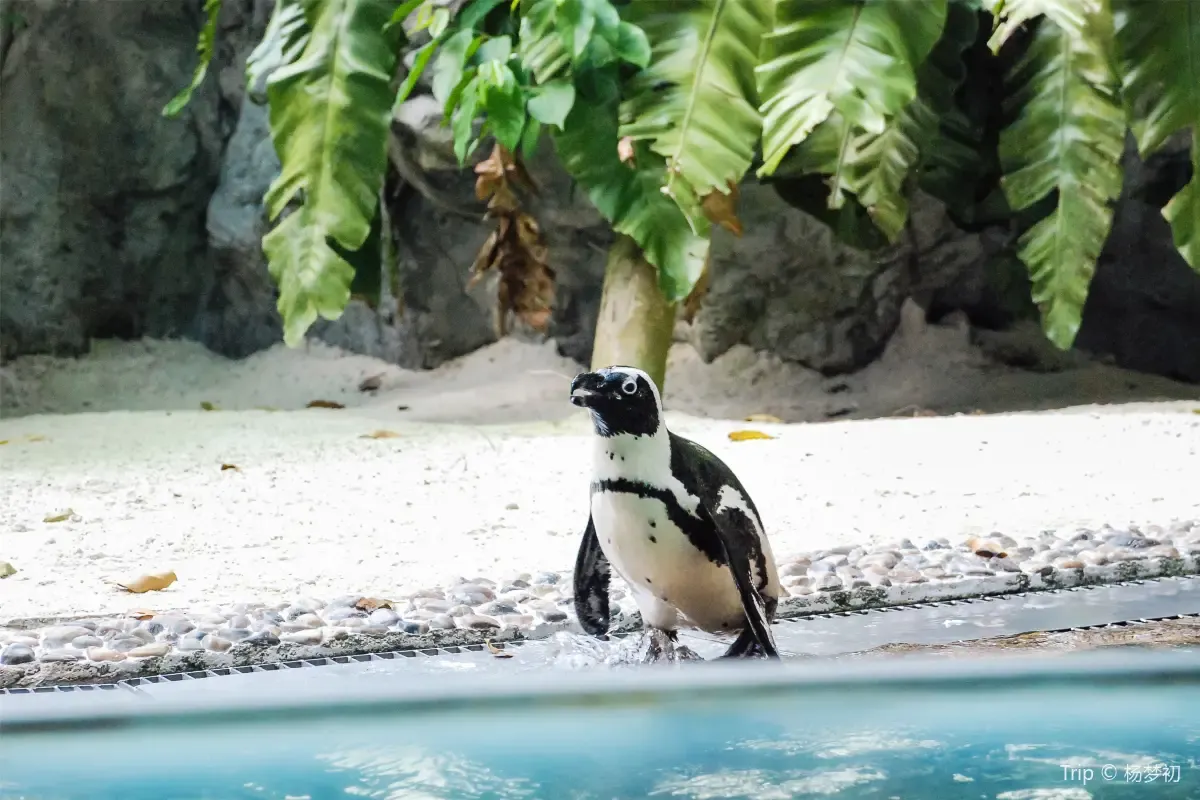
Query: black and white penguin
pixel 673 521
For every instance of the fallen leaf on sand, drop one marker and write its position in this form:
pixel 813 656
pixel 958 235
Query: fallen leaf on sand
pixel 35 438
pixel 149 583
pixel 372 604
pixel 3 441
pixel 371 383
pixel 62 516
pixel 405 408
pixel 1196 410
pixel 986 548
pixel 743 436
pixel 497 652
pixel 230 466
pixel 7 569
pixel 770 418
pixel 380 434
pixel 141 614
pixel 324 404
pixel 207 406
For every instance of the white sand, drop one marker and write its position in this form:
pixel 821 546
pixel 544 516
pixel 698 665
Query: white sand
pixel 313 509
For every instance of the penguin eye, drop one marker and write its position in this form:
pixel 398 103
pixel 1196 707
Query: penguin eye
pixel 629 386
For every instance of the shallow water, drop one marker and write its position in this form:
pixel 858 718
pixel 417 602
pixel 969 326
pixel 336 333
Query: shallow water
pixel 703 735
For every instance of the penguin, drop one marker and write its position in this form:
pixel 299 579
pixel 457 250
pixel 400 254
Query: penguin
pixel 674 522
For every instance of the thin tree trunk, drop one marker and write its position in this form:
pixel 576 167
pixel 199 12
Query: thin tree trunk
pixel 636 323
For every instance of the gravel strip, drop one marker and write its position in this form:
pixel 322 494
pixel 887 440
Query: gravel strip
pixel 537 606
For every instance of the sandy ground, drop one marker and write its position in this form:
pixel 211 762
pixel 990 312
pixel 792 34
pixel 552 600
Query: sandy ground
pixel 261 498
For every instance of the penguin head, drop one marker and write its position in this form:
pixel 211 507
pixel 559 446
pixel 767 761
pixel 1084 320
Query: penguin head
pixel 623 400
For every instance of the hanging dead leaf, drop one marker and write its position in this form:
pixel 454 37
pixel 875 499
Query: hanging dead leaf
pixel 515 249
pixel 625 150
pixel 769 418
pixel 372 604
pixel 62 516
pixel 324 404
pixel 721 209
pixel 745 436
pixel 7 569
pixel 230 466
pixel 207 406
pixel 149 583
pixel 371 383
pixel 380 434
pixel 496 651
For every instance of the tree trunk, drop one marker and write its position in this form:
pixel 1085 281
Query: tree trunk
pixel 636 323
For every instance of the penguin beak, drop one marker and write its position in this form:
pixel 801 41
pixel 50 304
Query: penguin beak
pixel 585 389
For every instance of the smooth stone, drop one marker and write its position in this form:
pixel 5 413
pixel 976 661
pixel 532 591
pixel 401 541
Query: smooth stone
pixel 189 643
pixel 477 622
pixel 372 630
pixel 1083 536
pixel 270 615
pixel 354 622
pixel 497 608
pixel 933 573
pixel 877 579
pixel 152 627
pixel 1122 554
pixel 848 573
pixel 516 620
pixel 416 626
pixel 835 561
pixel 150 650
pixel 460 610
pixel 309 620
pixel 182 626
pixel 518 596
pixel 437 605
pixel 383 616
pixel 344 612
pixel 886 560
pixel 542 590
pixel 969 566
pixel 123 644
pixel 798 582
pixel 212 619
pixel 840 550
pixel 53 637
pixel 854 555
pixel 905 575
pixel 820 568
pixel 104 654
pixel 1068 563
pixel 144 634
pixel 53 656
pixel 16 653
pixel 216 643
pixel 441 622
pixel 239 621
pixel 312 636
pixel 471 590
pixel 794 568
pixel 436 594
pixel 1004 565
pixel 547 578
pixel 1162 551
pixel 421 615
pixel 86 641
pixel 262 639
pixel 28 641
pixel 515 584
pixel 235 634
pixel 344 601
pixel 1092 558
pixel 827 582
pixel 1131 541
pixel 932 545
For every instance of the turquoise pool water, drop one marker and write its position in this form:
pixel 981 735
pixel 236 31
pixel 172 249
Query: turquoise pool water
pixel 1072 728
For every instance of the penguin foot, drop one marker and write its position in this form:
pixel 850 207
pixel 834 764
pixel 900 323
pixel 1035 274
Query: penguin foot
pixel 661 646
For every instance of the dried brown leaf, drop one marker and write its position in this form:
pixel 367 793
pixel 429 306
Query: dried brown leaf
pixel 694 300
pixel 141 614
pixel 771 418
pixel 625 150
pixel 149 583
pixel 496 651
pixel 721 209
pixel 380 434
pixel 745 436
pixel 324 404
pixel 7 569
pixel 62 516
pixel 369 604
pixel 230 466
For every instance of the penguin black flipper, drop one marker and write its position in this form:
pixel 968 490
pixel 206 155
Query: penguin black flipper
pixel 592 573
pixel 737 537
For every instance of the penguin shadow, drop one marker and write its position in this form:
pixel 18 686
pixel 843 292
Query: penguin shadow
pixel 641 648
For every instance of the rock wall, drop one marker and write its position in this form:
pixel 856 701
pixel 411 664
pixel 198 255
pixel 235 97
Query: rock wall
pixel 117 222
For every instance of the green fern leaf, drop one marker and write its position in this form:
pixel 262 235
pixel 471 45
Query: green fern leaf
pixel 204 49
pixel 1065 143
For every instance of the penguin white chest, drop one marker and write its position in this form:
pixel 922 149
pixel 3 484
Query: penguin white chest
pixel 666 573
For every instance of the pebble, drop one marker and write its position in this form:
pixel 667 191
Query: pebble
pixel 383 616
pixel 261 639
pixel 527 602
pixel 477 622
pixel 312 636
pixel 150 650
pixel 17 653
pixel 216 643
